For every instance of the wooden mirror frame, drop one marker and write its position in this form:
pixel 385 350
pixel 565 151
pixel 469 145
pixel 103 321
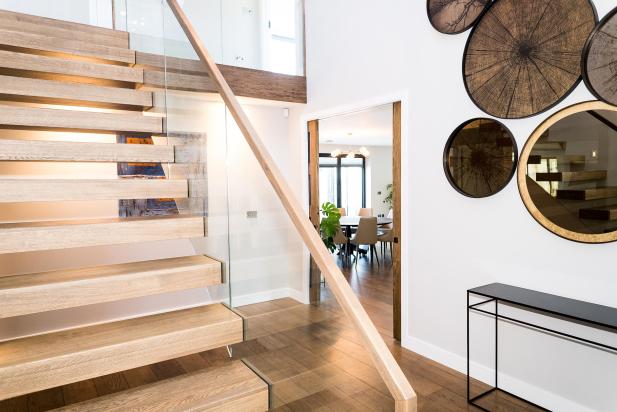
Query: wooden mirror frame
pixel 522 175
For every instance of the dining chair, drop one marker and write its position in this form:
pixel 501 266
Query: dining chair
pixel 383 232
pixel 342 211
pixel 342 241
pixel 366 235
pixel 365 212
pixel 387 239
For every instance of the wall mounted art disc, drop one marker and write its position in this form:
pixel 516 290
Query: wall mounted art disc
pixel 567 175
pixel 454 16
pixel 524 56
pixel 480 157
pixel 600 60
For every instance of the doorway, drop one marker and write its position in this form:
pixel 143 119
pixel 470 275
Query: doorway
pixel 342 171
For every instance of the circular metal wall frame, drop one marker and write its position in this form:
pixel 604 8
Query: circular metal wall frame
pixel 524 56
pixel 454 16
pixel 600 60
pixel 480 157
pixel 567 174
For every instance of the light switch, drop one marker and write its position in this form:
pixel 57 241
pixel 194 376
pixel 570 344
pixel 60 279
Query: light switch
pixel 251 214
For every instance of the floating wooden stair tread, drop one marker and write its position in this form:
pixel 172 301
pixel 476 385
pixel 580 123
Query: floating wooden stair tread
pixel 599 213
pixel 581 176
pixel 51 119
pixel 576 159
pixel 25 237
pixel 62 29
pixel 40 362
pixel 32 65
pixel 51 190
pixel 588 194
pixel 75 94
pixel 230 387
pixel 548 145
pixel 41 44
pixel 54 151
pixel 41 292
pixel 534 160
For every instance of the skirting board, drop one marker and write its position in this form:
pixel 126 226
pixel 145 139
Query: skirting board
pixel 267 296
pixel 487 375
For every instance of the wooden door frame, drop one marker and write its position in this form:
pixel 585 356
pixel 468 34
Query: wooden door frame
pixel 313 175
pixel 313 192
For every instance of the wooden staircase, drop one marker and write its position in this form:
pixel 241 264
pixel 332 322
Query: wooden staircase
pixel 45 66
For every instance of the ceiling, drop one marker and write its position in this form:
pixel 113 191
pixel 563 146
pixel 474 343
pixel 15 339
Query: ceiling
pixel 371 127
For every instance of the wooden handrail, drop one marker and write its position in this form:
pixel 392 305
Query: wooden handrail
pixel 398 385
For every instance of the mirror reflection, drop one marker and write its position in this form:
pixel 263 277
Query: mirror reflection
pixel 572 172
pixel 480 157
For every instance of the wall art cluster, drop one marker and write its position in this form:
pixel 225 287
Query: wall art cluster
pixel 523 57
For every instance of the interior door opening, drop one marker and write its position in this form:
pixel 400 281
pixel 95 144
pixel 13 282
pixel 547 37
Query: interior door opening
pixel 355 164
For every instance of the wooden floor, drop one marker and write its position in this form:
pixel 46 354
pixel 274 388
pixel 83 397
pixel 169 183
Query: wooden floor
pixel 310 355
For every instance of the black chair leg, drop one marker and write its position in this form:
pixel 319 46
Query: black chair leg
pixel 374 249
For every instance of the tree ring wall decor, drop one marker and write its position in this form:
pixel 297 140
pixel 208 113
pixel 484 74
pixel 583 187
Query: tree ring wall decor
pixel 480 158
pixel 567 174
pixel 524 56
pixel 454 16
pixel 600 60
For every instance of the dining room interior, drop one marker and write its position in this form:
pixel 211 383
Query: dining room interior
pixel 354 184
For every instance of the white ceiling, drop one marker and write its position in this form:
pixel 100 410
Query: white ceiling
pixel 371 127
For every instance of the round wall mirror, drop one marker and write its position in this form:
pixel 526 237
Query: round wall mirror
pixel 524 56
pixel 455 16
pixel 568 173
pixel 480 157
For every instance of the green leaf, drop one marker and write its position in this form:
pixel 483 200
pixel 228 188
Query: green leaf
pixel 330 224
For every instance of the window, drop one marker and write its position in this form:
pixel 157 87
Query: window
pixel 342 181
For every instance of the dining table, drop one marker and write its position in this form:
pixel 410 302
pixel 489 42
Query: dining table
pixel 350 222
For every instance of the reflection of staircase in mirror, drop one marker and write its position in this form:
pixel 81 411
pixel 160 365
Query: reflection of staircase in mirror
pixel 573 187
pixel 65 78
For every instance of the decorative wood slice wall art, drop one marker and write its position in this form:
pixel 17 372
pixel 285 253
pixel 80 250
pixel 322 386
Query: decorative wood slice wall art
pixel 454 16
pixel 480 157
pixel 600 60
pixel 567 176
pixel 524 56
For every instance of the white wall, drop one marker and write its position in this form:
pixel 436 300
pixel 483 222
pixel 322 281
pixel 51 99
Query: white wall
pixel 383 48
pixel 94 12
pixel 379 168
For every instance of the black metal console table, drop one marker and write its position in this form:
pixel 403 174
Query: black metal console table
pixel 556 306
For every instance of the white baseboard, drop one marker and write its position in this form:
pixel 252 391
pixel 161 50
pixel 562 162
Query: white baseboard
pixel 487 375
pixel 266 296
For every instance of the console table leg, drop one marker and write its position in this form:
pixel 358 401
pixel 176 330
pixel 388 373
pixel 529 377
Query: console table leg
pixel 496 343
pixel 468 370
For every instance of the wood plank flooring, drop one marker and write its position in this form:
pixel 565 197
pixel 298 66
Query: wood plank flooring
pixel 310 355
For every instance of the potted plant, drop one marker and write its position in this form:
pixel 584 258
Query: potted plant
pixel 330 224
pixel 388 199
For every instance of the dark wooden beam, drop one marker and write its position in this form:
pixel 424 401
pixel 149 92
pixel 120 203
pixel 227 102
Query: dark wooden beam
pixel 191 75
